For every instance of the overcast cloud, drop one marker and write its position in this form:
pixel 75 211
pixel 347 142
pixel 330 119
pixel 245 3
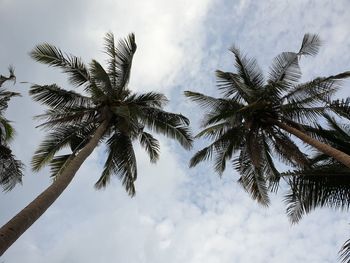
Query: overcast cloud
pixel 178 215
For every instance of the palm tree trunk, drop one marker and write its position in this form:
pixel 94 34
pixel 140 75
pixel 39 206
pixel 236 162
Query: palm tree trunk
pixel 14 228
pixel 325 148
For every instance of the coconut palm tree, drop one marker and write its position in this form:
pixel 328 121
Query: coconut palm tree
pixel 10 168
pixel 108 111
pixel 252 121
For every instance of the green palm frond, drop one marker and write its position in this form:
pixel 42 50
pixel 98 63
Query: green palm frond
pixel 11 170
pixel 319 90
pixel 321 186
pixel 248 69
pixel 100 78
pixel 67 116
pixel 214 131
pixel 232 85
pixel 5 97
pixel 230 112
pixel 148 99
pixel 285 69
pixel 111 62
pixel 151 145
pixel 172 125
pixel 56 97
pixel 7 132
pixel 11 77
pixel 222 155
pixel 48 54
pixel 59 138
pixel 59 163
pixel 345 252
pixel 310 45
pixel 287 150
pixel 252 180
pixel 270 171
pixel 224 146
pixel 296 112
pixel 125 51
pixel 121 161
pixel 204 101
pixel 341 107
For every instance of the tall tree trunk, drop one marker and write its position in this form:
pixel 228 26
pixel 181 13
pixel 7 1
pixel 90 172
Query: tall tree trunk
pixel 14 228
pixel 325 148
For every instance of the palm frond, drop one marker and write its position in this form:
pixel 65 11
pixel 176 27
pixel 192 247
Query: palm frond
pixel 59 163
pixel 11 77
pixel 48 54
pixel 345 252
pixel 232 85
pixel 224 145
pixel 112 62
pixel 59 138
pixel 252 180
pixel 321 186
pixel 148 99
pixel 310 45
pixel 121 161
pixel 321 88
pixel 11 170
pixel 206 102
pixel 125 51
pixel 57 117
pixel 172 125
pixel 151 145
pixel 7 132
pixel 287 150
pixel 56 97
pixel 285 69
pixel 248 69
pixel 100 78
pixel 341 107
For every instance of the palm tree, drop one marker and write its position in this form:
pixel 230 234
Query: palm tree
pixel 326 183
pixel 10 168
pixel 254 117
pixel 109 111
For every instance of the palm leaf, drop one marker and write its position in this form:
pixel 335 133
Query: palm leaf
pixel 59 138
pixel 151 145
pixel 56 97
pixel 248 69
pixel 148 99
pixel 121 161
pixel 48 54
pixel 11 170
pixel 232 85
pixel 172 125
pixel 125 51
pixel 100 78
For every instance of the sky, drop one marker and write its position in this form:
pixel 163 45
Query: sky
pixel 178 214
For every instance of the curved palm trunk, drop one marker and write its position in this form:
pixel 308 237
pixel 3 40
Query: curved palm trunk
pixel 325 148
pixel 14 228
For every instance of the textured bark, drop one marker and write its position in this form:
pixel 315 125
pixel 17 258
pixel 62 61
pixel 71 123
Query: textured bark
pixel 14 228
pixel 325 148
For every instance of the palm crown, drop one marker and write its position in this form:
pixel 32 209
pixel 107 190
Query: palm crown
pixel 252 116
pixel 10 168
pixel 73 118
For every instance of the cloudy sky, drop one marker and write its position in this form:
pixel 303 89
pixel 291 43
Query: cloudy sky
pixel 178 215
